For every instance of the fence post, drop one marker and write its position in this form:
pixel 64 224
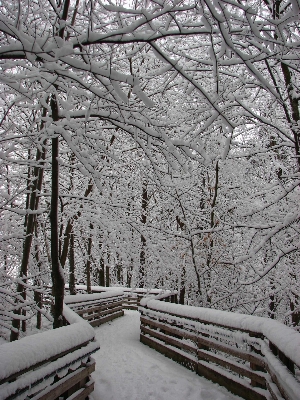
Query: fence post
pixel 284 359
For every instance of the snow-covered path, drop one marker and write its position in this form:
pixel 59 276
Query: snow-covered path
pixel 129 370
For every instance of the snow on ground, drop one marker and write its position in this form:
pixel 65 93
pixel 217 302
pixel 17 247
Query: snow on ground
pixel 128 370
pixel 2 340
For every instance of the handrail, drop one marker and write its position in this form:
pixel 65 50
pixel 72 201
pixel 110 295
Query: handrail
pixel 97 308
pixel 252 356
pixel 50 363
pixel 58 362
pixel 132 296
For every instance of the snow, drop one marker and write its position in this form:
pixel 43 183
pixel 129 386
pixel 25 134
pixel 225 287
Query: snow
pixel 284 376
pixel 24 353
pixel 37 379
pixel 2 340
pixel 282 336
pixel 127 369
pixel 90 297
pixel 121 288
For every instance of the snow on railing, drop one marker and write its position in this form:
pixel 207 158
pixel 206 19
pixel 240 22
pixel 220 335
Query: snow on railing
pixel 132 296
pixel 97 308
pixel 253 357
pixel 50 364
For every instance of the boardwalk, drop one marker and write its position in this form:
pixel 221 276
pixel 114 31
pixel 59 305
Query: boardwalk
pixel 128 370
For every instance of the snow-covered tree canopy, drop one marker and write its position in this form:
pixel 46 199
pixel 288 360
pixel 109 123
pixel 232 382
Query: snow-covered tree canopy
pixel 175 126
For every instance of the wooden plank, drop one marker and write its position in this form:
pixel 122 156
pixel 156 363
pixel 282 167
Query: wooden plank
pixel 277 383
pixel 128 307
pixel 84 392
pixel 83 305
pixel 131 299
pixel 90 315
pixel 253 333
pixel 230 350
pixel 90 305
pixel 170 353
pixel 102 313
pixel 273 390
pixel 283 358
pixel 254 382
pixel 98 308
pixel 169 328
pixel 60 387
pixel 101 321
pixel 239 368
pixel 39 364
pixel 168 339
pixel 233 384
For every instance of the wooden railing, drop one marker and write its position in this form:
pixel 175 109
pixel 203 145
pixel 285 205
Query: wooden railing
pixel 57 364
pixel 255 358
pixel 50 365
pixel 132 296
pixel 97 308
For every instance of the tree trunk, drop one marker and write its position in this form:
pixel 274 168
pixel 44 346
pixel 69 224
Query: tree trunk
pixel 66 242
pixel 295 314
pixel 57 274
pixel 58 281
pixel 195 268
pixel 182 285
pixel 29 220
pixel 129 275
pixel 294 304
pixel 210 242
pixel 72 266
pixel 119 272
pixel 107 280
pixel 38 296
pixel 88 262
pixel 141 280
pixel 101 276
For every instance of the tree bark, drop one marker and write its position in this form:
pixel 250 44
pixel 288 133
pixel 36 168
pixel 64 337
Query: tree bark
pixel 72 266
pixel 29 220
pixel 101 276
pixel 58 281
pixel 107 279
pixel 88 262
pixel 57 274
pixel 182 286
pixel 141 281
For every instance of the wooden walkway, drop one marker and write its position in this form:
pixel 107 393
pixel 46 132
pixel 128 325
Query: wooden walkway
pixel 126 369
pixel 256 358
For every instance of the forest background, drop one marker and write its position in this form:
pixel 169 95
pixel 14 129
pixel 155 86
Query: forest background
pixel 151 144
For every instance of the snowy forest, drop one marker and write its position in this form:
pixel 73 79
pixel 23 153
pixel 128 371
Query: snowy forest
pixel 150 144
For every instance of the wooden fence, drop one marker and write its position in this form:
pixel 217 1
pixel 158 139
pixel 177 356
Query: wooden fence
pixel 97 308
pixel 255 358
pixel 132 296
pixel 57 364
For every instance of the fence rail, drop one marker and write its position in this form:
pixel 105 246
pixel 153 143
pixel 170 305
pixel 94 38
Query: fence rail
pixel 132 296
pixel 97 308
pixel 255 358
